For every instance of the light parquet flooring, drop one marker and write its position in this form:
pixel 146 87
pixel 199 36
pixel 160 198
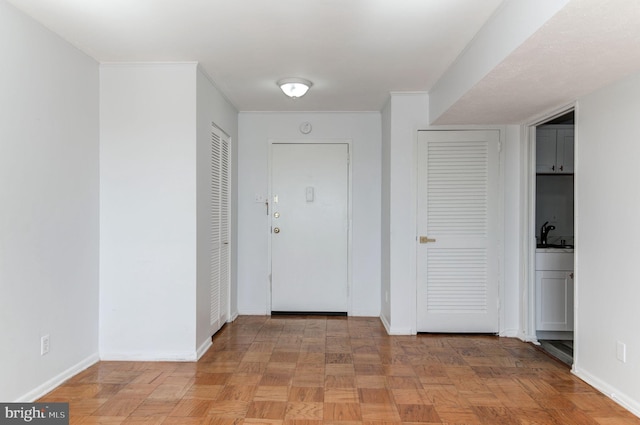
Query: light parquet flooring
pixel 342 371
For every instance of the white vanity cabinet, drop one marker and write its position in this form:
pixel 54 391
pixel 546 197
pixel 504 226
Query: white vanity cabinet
pixel 554 289
pixel 555 149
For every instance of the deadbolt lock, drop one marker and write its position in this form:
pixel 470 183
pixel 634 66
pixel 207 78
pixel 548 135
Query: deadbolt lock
pixel 276 230
pixel 276 214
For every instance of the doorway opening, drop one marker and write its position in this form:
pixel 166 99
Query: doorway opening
pixel 554 233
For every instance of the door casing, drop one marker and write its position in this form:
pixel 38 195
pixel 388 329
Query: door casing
pixel 529 231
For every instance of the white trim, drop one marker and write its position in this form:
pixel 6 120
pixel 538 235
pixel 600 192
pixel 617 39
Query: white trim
pixel 510 333
pixel 622 399
pixel 401 331
pixel 203 348
pixel 150 356
pixel 57 380
pixel 385 323
pixel 254 312
pixel 550 115
pixel 529 224
pixel 349 144
pixel 396 331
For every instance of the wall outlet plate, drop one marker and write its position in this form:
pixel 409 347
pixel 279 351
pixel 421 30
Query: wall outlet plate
pixel 621 352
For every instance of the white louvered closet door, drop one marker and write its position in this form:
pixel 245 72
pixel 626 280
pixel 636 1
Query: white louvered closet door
pixel 220 228
pixel 458 229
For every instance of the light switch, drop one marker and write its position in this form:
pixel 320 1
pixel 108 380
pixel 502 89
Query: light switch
pixel 310 194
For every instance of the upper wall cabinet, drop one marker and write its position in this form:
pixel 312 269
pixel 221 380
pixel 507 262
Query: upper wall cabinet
pixel 554 149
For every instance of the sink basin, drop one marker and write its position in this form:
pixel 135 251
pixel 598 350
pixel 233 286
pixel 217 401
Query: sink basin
pixel 549 245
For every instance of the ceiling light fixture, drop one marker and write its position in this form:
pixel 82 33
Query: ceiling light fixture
pixel 294 87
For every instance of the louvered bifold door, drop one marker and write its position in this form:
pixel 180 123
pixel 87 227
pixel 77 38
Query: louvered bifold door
pixel 458 231
pixel 220 223
pixel 225 228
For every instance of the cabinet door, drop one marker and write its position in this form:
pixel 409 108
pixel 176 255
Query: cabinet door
pixel 554 301
pixel 545 150
pixel 564 151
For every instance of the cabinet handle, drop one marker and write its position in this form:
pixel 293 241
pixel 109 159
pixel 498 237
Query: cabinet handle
pixel 562 168
pixel 553 168
pixel 571 275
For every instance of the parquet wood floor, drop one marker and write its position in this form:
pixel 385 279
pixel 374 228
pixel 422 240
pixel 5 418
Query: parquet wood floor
pixel 341 371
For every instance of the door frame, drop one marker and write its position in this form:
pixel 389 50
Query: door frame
pixel 269 206
pixel 529 231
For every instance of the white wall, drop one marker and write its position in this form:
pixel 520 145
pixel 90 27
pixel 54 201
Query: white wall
pixel 49 213
pixel 255 129
pixel 608 239
pixel 385 254
pixel 409 113
pixel 148 211
pixel 212 107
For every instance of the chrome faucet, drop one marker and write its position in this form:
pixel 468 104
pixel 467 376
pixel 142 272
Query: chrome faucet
pixel 544 232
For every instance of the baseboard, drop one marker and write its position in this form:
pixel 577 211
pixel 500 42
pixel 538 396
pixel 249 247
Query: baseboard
pixel 396 331
pixel 509 333
pixel 529 338
pixel 386 324
pixel 54 382
pixel 622 399
pixel 402 331
pixel 233 318
pixel 150 356
pixel 203 348
pixel 262 312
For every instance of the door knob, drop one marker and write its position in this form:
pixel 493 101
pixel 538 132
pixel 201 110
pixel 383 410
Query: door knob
pixel 276 230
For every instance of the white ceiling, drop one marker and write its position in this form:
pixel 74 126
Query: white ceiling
pixel 586 45
pixel 354 51
pixel 357 51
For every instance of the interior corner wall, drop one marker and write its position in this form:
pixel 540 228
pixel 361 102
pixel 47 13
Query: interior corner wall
pixel 255 130
pixel 385 254
pixel 608 240
pixel 50 203
pixel 212 107
pixel 409 113
pixel 148 211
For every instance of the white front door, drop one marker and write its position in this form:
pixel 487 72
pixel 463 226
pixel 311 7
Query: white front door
pixel 459 232
pixel 309 227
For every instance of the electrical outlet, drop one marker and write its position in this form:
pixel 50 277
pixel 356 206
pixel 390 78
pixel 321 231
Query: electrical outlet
pixel 621 351
pixel 44 345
